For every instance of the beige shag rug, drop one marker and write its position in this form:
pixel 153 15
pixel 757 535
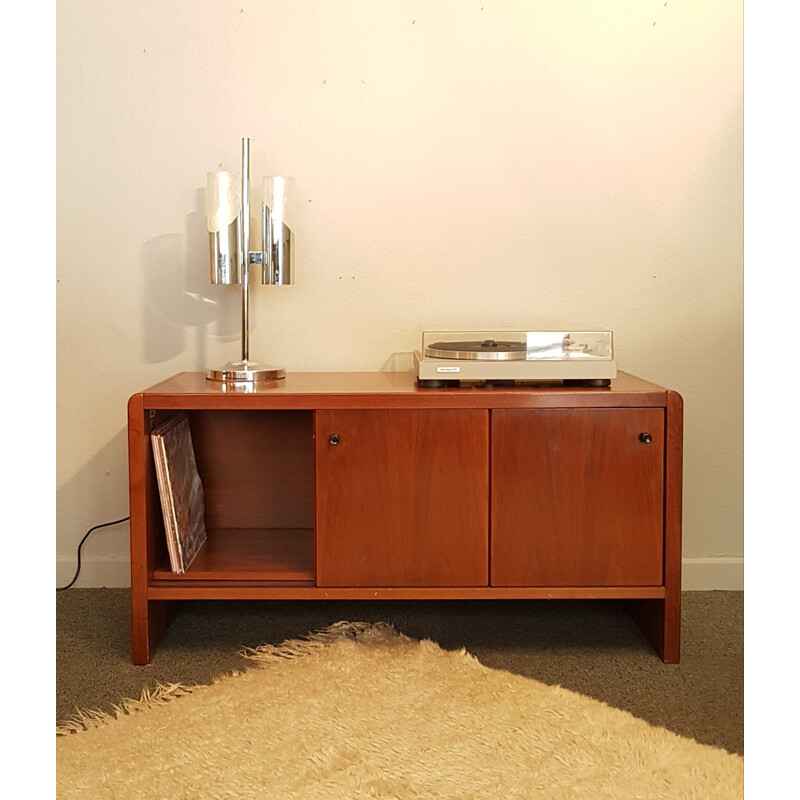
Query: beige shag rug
pixel 361 711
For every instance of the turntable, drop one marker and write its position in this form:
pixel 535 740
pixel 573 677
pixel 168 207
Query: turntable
pixel 513 358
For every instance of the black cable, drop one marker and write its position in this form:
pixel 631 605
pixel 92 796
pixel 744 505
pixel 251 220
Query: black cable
pixel 86 536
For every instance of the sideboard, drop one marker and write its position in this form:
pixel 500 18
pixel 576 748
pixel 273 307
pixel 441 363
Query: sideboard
pixel 364 485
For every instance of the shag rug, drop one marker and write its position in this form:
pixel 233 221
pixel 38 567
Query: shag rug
pixel 362 711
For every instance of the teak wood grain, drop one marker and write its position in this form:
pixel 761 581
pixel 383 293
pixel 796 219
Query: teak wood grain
pixel 577 498
pixel 257 467
pixel 381 390
pixel 402 498
pixel 422 488
pixel 283 554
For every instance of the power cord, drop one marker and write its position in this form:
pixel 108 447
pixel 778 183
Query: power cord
pixel 86 536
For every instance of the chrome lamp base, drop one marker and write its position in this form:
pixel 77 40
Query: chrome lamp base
pixel 245 372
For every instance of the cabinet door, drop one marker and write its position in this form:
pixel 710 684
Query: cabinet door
pixel 577 497
pixel 402 497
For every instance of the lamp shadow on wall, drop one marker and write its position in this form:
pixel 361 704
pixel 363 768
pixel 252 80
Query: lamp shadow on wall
pixel 183 309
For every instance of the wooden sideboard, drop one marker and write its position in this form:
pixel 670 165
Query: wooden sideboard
pixel 363 485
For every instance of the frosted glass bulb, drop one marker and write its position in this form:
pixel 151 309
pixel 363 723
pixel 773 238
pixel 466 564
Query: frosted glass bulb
pixel 223 199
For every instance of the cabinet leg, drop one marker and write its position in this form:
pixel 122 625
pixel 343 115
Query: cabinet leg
pixel 660 622
pixel 149 622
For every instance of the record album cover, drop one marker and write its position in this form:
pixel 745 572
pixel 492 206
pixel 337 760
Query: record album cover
pixel 181 491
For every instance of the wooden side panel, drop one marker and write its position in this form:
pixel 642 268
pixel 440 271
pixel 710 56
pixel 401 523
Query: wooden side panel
pixel 149 618
pixel 673 526
pixel 138 503
pixel 660 620
pixel 577 498
pixel 402 499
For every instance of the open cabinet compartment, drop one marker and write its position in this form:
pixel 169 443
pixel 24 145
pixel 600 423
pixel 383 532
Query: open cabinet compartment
pixel 257 469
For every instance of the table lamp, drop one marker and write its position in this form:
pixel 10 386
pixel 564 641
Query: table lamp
pixel 228 216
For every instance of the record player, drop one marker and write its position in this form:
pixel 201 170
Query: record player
pixel 512 358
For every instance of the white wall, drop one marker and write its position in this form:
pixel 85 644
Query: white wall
pixel 459 164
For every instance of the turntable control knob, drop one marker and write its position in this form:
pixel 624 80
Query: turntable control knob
pixel 333 438
pixel 645 438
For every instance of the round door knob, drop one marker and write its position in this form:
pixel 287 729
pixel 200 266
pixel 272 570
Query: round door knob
pixel 333 438
pixel 645 438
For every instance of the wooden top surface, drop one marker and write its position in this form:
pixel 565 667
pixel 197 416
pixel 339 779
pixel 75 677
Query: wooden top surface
pixel 317 390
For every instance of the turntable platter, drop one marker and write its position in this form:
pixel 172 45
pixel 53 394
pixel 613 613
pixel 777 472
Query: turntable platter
pixel 486 350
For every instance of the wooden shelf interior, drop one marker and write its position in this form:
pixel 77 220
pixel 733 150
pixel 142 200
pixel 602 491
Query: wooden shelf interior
pixel 257 467
pixel 257 470
pixel 248 554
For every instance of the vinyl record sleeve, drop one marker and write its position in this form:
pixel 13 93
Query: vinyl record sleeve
pixel 181 491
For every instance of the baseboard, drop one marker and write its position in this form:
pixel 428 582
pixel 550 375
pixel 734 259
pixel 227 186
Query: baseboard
pixel 724 573
pixel 112 572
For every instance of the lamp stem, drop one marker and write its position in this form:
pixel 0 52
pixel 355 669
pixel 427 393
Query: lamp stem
pixel 245 312
pixel 245 250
